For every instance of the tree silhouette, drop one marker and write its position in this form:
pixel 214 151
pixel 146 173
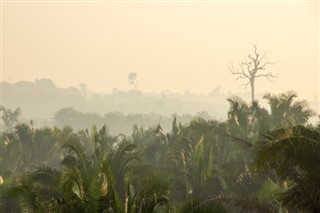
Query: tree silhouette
pixel 252 68
pixel 132 78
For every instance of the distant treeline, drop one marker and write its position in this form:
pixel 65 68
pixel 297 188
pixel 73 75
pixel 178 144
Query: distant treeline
pixel 256 160
pixel 48 105
pixel 117 122
pixel 41 99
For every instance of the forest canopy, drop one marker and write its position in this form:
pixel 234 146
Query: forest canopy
pixel 257 160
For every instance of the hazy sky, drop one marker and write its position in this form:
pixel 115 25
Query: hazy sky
pixel 175 46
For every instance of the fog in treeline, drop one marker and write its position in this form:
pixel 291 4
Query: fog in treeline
pixel 130 151
pixel 123 106
pixel 48 105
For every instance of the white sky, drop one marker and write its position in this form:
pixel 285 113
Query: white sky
pixel 172 46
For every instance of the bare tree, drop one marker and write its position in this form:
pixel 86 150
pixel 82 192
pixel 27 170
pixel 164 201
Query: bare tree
pixel 251 68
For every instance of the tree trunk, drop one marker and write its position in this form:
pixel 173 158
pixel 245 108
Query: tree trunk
pixel 252 89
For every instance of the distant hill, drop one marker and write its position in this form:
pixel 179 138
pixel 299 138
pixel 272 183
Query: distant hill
pixel 41 100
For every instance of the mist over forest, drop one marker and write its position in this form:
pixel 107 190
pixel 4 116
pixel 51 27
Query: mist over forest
pixel 194 160
pixel 74 150
pixel 159 106
pixel 48 105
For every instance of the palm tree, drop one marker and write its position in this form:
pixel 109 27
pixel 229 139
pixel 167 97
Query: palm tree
pixel 246 121
pixel 238 114
pixel 86 180
pixel 293 153
pixel 121 161
pixel 212 161
pixel 104 168
pixel 151 143
pixel 149 194
pixel 26 194
pixel 285 111
pixel 198 206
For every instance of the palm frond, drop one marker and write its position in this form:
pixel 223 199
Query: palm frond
pixel 197 206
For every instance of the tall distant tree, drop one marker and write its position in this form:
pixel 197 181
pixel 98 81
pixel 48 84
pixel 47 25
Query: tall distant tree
pixel 83 89
pixel 252 68
pixel 132 78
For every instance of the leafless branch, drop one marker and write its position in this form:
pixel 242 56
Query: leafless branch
pixel 241 76
pixel 236 72
pixel 262 67
pixel 263 56
pixel 269 74
pixel 250 68
pixel 255 50
pixel 249 56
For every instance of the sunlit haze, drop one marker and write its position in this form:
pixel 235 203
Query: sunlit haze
pixel 174 46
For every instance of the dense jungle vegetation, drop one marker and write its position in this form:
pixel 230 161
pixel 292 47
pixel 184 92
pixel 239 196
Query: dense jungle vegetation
pixel 257 160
